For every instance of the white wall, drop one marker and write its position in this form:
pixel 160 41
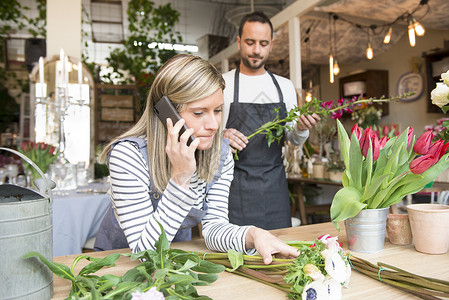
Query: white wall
pixel 397 62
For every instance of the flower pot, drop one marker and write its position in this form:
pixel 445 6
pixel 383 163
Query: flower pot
pixel 366 231
pixel 335 175
pixel 430 227
pixel 318 170
pixel 398 229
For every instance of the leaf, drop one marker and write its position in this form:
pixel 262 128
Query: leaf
pixel 235 258
pixel 57 268
pixel 208 267
pixel 91 284
pixel 179 279
pixel 205 279
pixel 346 204
pixel 107 282
pixel 93 267
pixel 162 246
pixel 355 163
pixel 188 264
pixel 344 143
pixel 372 188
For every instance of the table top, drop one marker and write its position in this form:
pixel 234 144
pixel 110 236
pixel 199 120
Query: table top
pixel 230 286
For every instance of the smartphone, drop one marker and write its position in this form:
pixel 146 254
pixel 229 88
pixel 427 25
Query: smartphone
pixel 164 109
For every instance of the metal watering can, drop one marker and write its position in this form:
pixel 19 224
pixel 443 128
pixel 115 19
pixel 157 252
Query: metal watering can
pixel 25 226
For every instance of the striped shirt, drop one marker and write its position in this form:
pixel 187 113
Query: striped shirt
pixel 131 200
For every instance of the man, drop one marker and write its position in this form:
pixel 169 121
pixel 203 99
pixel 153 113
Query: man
pixel 259 192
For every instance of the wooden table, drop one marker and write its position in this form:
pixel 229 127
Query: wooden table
pixel 230 286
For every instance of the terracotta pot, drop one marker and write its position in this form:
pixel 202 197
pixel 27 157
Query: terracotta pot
pixel 398 229
pixel 430 227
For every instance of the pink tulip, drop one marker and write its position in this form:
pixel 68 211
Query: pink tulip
pixel 423 143
pixel 435 148
pixel 422 163
pixel 385 130
pixel 410 136
pixel 383 141
pixel 355 129
pixel 443 150
pixel 367 136
pixel 24 146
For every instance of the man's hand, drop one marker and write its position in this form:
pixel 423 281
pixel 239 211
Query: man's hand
pixel 267 245
pixel 307 122
pixel 237 140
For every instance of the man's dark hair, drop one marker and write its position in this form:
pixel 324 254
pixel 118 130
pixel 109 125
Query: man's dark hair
pixel 256 16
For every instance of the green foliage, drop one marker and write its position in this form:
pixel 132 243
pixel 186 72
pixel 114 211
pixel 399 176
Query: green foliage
pixel 173 272
pixel 142 56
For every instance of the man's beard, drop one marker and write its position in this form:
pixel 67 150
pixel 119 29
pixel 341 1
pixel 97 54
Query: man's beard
pixel 247 62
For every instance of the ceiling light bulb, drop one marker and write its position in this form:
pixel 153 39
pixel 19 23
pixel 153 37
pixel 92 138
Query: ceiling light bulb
pixel 388 35
pixel 331 68
pixel 419 29
pixel 336 68
pixel 369 51
pixel 411 35
pixel 308 96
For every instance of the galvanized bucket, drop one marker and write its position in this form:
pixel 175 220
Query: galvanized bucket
pixel 366 231
pixel 25 226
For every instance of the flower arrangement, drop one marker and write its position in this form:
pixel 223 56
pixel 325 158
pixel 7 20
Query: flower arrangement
pixel 319 272
pixel 380 172
pixel 367 115
pixel 42 154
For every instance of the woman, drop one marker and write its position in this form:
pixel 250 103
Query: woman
pixel 157 177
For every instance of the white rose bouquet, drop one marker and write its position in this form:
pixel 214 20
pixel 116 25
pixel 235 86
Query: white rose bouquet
pixel 440 95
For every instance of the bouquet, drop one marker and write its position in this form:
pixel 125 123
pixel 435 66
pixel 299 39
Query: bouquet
pixel 42 154
pixel 319 272
pixel 380 172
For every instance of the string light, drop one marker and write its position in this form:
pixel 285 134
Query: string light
pixel 418 27
pixel 387 37
pixel 411 33
pixel 336 67
pixel 369 51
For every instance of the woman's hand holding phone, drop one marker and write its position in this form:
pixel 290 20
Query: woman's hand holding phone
pixel 181 156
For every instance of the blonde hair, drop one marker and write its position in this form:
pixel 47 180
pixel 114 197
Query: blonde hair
pixel 183 78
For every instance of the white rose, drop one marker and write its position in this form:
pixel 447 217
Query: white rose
pixel 445 77
pixel 440 95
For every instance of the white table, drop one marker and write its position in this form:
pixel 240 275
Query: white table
pixel 77 215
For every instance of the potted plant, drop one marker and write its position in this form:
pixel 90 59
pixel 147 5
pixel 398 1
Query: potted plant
pixel 335 167
pixel 378 174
